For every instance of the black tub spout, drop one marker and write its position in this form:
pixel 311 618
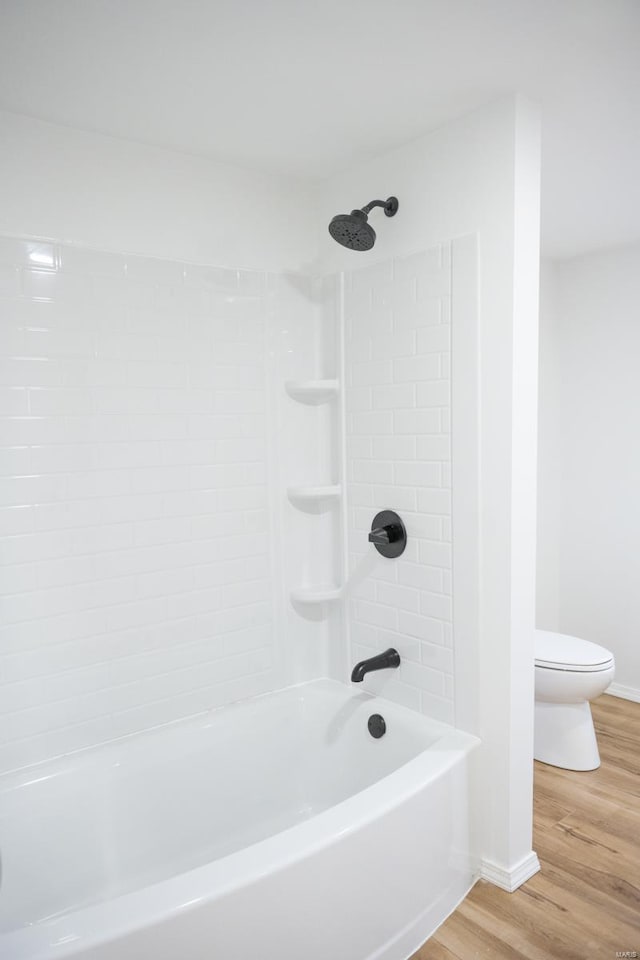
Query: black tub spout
pixel 390 658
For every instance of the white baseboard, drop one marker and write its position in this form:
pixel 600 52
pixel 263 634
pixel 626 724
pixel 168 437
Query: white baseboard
pixel 511 878
pixel 625 693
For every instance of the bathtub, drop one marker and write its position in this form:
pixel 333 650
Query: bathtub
pixel 275 828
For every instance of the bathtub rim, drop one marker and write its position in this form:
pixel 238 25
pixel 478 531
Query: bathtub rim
pixel 32 772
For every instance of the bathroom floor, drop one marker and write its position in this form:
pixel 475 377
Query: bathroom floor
pixel 585 902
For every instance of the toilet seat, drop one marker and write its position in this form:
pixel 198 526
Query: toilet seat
pixel 559 651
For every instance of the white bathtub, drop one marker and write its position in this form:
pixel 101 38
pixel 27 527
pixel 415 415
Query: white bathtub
pixel 275 828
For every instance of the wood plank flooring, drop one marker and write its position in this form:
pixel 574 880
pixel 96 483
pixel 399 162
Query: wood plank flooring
pixel 585 902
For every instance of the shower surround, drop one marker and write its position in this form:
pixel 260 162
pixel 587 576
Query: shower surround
pixel 149 445
pixel 138 581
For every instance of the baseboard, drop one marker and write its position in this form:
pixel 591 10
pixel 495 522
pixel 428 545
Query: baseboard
pixel 510 879
pixel 625 693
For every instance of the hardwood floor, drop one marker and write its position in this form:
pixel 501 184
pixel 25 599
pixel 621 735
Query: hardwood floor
pixel 585 902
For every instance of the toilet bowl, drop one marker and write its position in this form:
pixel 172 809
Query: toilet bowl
pixel 569 672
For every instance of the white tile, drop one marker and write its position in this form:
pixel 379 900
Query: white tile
pixel 239 401
pixel 64 570
pixel 435 501
pixel 21 491
pixel 44 284
pixel 420 576
pixel 416 422
pixel 395 497
pixel 435 554
pixel 421 526
pixel 434 447
pixel 19 578
pixel 359 398
pixel 361 494
pixel 360 448
pixel 411 313
pixel 417 474
pixel 401 395
pixel 376 614
pixel 437 657
pixel 145 373
pixel 434 284
pixel 14 401
pixel 423 367
pixel 371 471
pixel 436 393
pixel 9 281
pixel 60 402
pixel 402 598
pixel 14 461
pixel 436 605
pixel 434 339
pixel 438 708
pixel 394 448
pixel 372 423
pixel 422 677
pixel 30 372
pixel 409 471
pixel 401 344
pixel 374 373
pixel 423 628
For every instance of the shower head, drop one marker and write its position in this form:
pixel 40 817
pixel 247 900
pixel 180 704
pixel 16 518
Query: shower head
pixel 353 231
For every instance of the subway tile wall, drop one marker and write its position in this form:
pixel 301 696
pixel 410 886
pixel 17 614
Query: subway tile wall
pixel 136 579
pixel 397 358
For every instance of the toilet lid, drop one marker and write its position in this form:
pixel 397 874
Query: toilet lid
pixel 558 651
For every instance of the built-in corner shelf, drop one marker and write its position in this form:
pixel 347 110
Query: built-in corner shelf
pixel 312 391
pixel 314 494
pixel 316 594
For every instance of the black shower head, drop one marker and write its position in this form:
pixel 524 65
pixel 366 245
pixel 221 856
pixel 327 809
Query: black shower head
pixel 353 231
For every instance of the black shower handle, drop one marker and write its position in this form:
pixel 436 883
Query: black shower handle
pixel 388 534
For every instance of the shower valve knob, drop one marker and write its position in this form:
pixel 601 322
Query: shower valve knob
pixel 388 534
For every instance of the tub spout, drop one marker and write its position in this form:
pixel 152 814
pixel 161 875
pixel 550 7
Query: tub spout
pixel 390 658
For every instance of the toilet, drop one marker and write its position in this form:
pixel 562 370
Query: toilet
pixel 569 672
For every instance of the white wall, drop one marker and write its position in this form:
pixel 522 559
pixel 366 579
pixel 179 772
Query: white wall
pixel 550 448
pixel 64 184
pixel 481 176
pixel 590 455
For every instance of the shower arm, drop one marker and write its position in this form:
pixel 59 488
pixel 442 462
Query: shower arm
pixel 390 206
pixel 374 203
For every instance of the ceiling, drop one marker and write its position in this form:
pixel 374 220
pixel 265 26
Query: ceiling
pixel 308 87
